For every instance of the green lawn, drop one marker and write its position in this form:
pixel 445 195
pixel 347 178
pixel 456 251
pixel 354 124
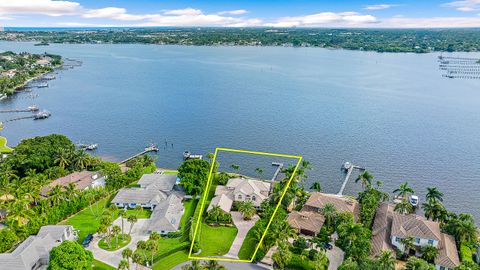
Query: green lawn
pixel 3 146
pixel 216 241
pixel 145 213
pixel 88 220
pixel 170 172
pixel 98 265
pixel 189 206
pixel 113 243
pixel 172 260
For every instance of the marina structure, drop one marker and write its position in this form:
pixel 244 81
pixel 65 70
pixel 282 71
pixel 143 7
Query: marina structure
pixel 459 67
pixel 349 167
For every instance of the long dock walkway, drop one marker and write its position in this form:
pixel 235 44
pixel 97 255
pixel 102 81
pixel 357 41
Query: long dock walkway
pixel 147 149
pixel 347 177
pixel 279 168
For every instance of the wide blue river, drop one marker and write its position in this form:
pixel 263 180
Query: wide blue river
pixel 391 113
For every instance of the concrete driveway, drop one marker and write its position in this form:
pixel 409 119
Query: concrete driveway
pixel 229 266
pixel 335 257
pixel 243 227
pixel 113 258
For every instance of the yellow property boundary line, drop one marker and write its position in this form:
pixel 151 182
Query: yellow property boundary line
pixel 207 188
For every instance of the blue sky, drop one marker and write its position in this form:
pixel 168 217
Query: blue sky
pixel 241 13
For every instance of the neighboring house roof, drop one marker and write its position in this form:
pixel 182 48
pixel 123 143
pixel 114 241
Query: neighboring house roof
pixel 381 230
pixel 81 180
pixel 447 252
pixel 342 204
pixel 34 248
pixel 163 182
pixel 139 196
pixel 305 220
pixel 167 215
pixel 223 201
pixel 250 187
pixel 388 223
pixel 416 226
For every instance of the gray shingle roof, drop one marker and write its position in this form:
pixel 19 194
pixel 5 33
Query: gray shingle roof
pixel 163 182
pixel 166 215
pixel 139 196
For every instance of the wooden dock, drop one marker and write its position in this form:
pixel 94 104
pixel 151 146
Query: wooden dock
pixel 33 109
pixel 347 177
pixel 279 168
pixel 151 148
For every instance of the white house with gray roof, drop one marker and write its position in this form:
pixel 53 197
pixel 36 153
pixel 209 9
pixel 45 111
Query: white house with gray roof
pixel 166 216
pixel 159 181
pixel 34 252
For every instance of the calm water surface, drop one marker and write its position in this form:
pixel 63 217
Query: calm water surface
pixel 392 113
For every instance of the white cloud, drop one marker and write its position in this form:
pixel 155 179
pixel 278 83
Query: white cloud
pixel 379 7
pixel 185 11
pixel 114 13
pixel 234 12
pixel 325 19
pixel 437 22
pixel 44 7
pixel 464 5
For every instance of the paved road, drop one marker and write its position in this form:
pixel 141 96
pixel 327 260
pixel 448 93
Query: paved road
pixel 113 258
pixel 243 227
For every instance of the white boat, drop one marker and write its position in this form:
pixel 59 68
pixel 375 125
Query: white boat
pixel 347 165
pixel 33 108
pixel 413 200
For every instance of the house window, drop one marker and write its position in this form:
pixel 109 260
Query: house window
pixel 430 242
pixel 247 197
pixel 254 198
pixel 398 239
pixel 442 267
pixel 239 197
pixel 417 240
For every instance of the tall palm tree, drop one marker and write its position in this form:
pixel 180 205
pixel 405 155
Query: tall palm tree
pixel 215 213
pixel 316 186
pixel 434 210
pixel 82 159
pixel 123 265
pixel 329 212
pixel 465 230
pixel 433 194
pixel 403 191
pixel 429 253
pixel 247 209
pixel 142 245
pixel 56 195
pixel 132 219
pixel 152 246
pixel 70 191
pixel 365 178
pixel 137 259
pixel 407 244
pixel 386 260
pixel 127 254
pixel 155 236
pixel 194 265
pixel 64 158
pixel 404 207
pixel 116 231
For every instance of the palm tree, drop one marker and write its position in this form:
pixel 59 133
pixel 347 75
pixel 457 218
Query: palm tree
pixel 194 265
pixel 122 215
pixel 123 265
pixel 365 178
pixel 316 186
pixel 56 195
pixel 404 190
pixel 404 207
pixel 70 191
pixel 82 159
pixel 429 253
pixel 434 210
pixel 132 219
pixel 64 158
pixel 386 260
pixel 137 259
pixel 116 231
pixel 142 245
pixel 282 256
pixel 329 213
pixel 127 254
pixel 433 194
pixel 465 229
pixel 152 246
pixel 212 265
pixel 214 213
pixel 407 244
pixel 155 236
pixel 247 209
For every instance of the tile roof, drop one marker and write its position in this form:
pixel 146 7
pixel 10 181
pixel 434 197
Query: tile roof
pixel 223 201
pixel 139 196
pixel 81 180
pixel 416 226
pixel 447 252
pixel 250 186
pixel 163 182
pixel 167 215
pixel 305 220
pixel 381 229
pixel 318 200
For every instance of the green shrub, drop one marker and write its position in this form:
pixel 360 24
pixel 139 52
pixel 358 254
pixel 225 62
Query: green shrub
pixel 466 254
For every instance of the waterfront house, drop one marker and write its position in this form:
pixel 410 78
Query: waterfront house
pixel 309 220
pixel 166 216
pixel 159 181
pixel 9 73
pixel 34 252
pixel 83 180
pixel 390 228
pixel 240 190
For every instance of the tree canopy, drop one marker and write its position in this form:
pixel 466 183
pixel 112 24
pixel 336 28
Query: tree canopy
pixel 193 174
pixel 70 255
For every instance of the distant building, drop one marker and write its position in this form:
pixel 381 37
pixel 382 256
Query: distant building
pixel 166 216
pixel 82 180
pixel 9 73
pixel 390 228
pixel 309 220
pixel 34 252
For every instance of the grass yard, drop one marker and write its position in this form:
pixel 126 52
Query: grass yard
pixel 114 245
pixel 145 213
pixel 172 260
pixel 170 172
pixel 3 146
pixel 98 265
pixel 189 206
pixel 88 220
pixel 216 241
